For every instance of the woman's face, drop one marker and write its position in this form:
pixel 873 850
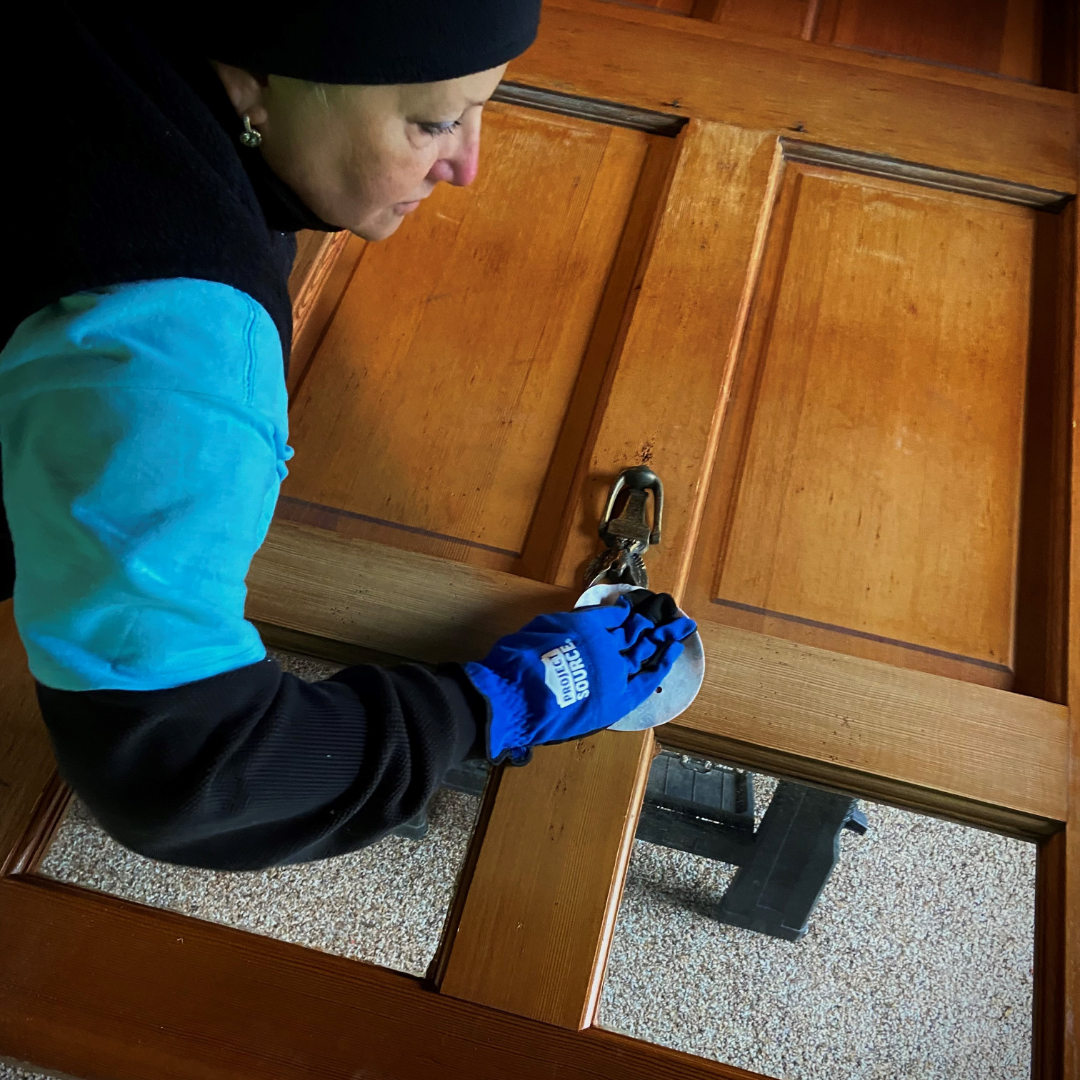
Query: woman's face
pixel 362 157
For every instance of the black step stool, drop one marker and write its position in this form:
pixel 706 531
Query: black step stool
pixel 707 809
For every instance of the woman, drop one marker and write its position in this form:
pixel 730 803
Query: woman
pixel 168 160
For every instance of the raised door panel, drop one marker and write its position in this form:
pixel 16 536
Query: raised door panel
pixel 1002 36
pixel 867 489
pixel 445 407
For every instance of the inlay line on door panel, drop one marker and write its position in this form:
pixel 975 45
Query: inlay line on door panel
pixel 862 634
pixel 327 517
pixel 462 364
pixel 867 489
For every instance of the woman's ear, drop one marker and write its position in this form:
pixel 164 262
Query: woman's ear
pixel 246 91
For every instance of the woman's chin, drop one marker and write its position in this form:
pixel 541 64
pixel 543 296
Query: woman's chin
pixel 378 226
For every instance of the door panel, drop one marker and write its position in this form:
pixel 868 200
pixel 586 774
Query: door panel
pixel 456 379
pixel 1002 36
pixel 921 113
pixel 1029 40
pixel 867 489
pixel 786 17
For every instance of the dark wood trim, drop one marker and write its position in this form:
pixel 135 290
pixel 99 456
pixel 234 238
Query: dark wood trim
pixel 584 108
pixel 931 176
pixel 324 266
pixel 102 988
pixel 1059 45
pixel 1048 1020
pixel 437 969
pixel 26 857
pixel 26 757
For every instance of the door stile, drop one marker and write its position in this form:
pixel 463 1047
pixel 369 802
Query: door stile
pixel 1070 932
pixel 536 924
pixel 676 352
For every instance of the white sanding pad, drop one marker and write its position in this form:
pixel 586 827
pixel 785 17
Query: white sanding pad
pixel 681 684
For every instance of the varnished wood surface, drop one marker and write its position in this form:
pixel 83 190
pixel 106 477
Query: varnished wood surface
pixel 1002 36
pixel 800 150
pixel 440 393
pixel 1043 578
pixel 100 987
pixel 867 492
pixel 787 18
pixel 324 264
pixel 841 97
pixel 814 707
pixel 399 602
pixel 1032 40
pixel 673 364
pixel 536 926
pixel 26 758
pixel 987 745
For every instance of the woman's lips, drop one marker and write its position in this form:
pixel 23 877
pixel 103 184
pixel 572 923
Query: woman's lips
pixel 403 208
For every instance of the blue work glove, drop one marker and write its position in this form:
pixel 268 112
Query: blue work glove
pixel 573 673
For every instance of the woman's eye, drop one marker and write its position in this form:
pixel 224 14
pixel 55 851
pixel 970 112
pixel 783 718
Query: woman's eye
pixel 442 128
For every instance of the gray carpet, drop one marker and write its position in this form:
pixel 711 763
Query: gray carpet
pixel 917 964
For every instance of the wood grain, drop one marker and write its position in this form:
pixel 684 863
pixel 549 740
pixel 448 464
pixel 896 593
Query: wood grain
pixel 984 745
pixel 536 927
pixel 816 707
pixel 935 116
pixel 1001 36
pixel 868 492
pixel 681 335
pixel 435 403
pixel 399 602
pixel 324 264
pixel 100 987
pixel 26 758
pixel 676 7
pixel 784 17
pixel 559 503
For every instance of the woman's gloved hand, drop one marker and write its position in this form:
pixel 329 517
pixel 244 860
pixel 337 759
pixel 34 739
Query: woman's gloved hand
pixel 573 673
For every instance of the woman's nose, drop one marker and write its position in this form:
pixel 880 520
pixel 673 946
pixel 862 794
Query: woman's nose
pixel 460 166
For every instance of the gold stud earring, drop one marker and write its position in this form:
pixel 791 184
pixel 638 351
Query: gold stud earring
pixel 249 136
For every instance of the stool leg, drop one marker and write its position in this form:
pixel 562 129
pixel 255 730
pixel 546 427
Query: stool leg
pixel 795 849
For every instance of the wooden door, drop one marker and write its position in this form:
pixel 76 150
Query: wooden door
pixel 827 294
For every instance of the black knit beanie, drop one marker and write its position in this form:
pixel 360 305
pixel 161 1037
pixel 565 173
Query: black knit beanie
pixel 360 42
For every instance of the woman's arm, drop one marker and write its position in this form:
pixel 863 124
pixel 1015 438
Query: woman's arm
pixel 254 767
pixel 144 441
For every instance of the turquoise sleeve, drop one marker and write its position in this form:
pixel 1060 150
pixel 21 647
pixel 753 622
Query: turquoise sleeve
pixel 144 434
